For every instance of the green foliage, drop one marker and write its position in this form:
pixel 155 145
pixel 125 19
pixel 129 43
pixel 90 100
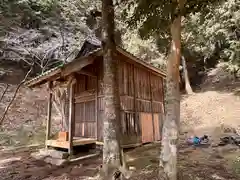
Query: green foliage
pixel 216 32
pixel 210 33
pixel 29 9
pixel 155 17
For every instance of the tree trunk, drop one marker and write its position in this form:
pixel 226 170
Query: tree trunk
pixel 188 87
pixel 111 148
pixel 15 94
pixel 168 157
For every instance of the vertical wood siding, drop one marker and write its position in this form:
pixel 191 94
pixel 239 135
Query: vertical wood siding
pixel 148 98
pixel 157 127
pixel 85 103
pixel 85 119
pixel 141 98
pixel 147 127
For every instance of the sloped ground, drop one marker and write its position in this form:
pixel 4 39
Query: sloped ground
pixel 215 107
pixel 24 123
pixel 215 111
pixel 209 110
pixel 25 120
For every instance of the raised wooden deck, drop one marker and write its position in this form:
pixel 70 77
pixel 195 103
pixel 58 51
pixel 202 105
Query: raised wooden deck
pixel 77 141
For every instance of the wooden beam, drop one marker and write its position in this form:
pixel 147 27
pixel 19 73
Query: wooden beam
pixel 96 110
pixel 50 75
pixel 58 144
pixel 63 71
pixel 163 95
pixel 87 73
pixel 151 97
pixel 76 65
pixel 49 112
pixel 71 118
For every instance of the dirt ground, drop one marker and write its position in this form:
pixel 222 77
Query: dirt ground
pixel 194 164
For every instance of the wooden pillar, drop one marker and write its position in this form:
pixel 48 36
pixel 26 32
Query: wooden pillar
pixel 96 110
pixel 163 94
pixel 49 112
pixel 151 98
pixel 135 96
pixel 71 118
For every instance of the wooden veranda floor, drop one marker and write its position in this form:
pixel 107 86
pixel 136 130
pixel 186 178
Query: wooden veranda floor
pixel 77 141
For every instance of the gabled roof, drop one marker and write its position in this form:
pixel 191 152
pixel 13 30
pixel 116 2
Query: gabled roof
pixel 63 70
pixel 88 50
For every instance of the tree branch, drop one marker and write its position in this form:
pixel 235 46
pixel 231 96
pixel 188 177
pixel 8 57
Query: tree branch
pixel 15 94
pixel 4 92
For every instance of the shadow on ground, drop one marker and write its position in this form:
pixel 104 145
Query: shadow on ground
pixel 28 168
pixel 194 164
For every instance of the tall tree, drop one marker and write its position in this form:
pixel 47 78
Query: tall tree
pixel 158 18
pixel 111 148
pixel 188 87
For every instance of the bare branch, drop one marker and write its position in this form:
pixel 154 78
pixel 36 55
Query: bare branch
pixel 63 40
pixel 15 94
pixel 4 92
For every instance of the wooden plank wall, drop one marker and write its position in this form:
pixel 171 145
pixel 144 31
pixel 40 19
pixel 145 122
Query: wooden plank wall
pixel 147 128
pixel 141 95
pixel 85 124
pixel 85 103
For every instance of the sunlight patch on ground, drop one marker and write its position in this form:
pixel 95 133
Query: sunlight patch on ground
pixel 215 176
pixel 9 160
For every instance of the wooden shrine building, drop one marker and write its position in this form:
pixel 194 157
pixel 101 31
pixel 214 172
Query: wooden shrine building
pixel 141 95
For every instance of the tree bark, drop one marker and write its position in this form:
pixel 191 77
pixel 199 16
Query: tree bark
pixel 188 87
pixel 112 159
pixel 170 131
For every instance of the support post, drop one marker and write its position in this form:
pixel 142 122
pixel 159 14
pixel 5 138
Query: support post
pixel 135 96
pixel 151 98
pixel 49 112
pixel 96 110
pixel 71 118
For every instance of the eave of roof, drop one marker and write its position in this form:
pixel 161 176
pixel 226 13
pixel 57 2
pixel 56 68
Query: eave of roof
pixel 139 61
pixel 57 70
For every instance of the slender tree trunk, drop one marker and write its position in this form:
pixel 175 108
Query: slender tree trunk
pixel 4 92
pixel 111 148
pixel 188 87
pixel 168 157
pixel 15 94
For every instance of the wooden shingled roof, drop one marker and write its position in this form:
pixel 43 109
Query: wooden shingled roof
pixel 85 57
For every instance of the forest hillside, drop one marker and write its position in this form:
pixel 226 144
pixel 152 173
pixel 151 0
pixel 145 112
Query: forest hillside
pixel 197 44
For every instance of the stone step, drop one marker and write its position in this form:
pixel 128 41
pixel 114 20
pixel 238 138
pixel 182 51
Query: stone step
pixel 55 161
pixel 53 153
